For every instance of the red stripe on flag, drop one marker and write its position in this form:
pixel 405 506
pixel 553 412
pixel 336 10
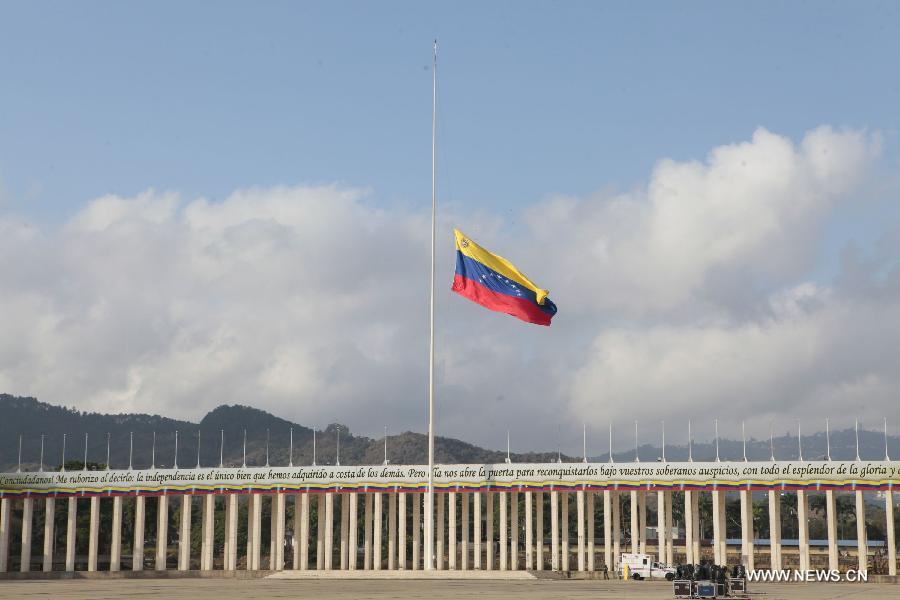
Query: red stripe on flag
pixel 521 308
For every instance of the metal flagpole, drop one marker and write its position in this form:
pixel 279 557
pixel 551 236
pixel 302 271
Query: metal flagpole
pixel 429 497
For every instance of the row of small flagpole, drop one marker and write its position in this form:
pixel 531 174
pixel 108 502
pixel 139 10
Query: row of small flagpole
pixel 175 462
pixel 508 455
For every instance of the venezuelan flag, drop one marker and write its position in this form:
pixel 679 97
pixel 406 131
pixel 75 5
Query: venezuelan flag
pixel 495 283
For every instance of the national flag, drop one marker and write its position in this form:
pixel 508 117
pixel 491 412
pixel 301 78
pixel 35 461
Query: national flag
pixel 495 283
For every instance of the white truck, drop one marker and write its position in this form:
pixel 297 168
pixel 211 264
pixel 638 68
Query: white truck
pixel 642 566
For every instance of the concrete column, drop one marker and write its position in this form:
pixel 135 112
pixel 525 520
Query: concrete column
pixel 579 503
pixel 416 502
pixel 401 531
pixel 115 551
pixel 590 531
pixel 476 529
pixel 94 534
pixel 642 520
pixel 503 538
pixel 635 535
pixel 345 531
pixel 670 542
pixel 464 530
pixel 27 518
pixel 718 502
pixel 49 510
pixel 554 531
pixel 831 523
pixel 137 550
pixel 320 532
pixel 489 531
pixel 689 528
pixel 440 537
pixel 564 533
pixel 278 510
pixel 775 530
pixel 184 536
pixel 376 535
pixel 607 531
pixel 695 511
pixel 367 526
pixel 513 531
pixel 208 532
pixel 529 537
pixel 231 527
pixel 861 542
pixel 661 525
pixel 889 525
pixel 451 531
pixel 162 531
pixel 5 514
pixel 803 518
pixel 747 529
pixel 329 530
pixel 617 530
pixel 353 539
pixel 256 516
pixel 392 531
pixel 539 529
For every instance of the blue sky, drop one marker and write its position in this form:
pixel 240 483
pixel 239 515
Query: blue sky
pixel 564 129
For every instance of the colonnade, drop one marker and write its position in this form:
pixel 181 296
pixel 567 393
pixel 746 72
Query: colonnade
pixel 383 530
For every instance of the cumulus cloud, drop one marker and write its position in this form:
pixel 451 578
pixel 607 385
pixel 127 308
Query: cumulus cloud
pixel 688 295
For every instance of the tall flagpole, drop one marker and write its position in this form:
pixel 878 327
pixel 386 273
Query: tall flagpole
pixel 429 497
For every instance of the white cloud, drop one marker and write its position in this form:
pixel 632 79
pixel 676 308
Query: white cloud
pixel 687 297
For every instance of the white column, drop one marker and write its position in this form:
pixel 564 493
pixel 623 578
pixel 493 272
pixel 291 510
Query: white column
pixel 803 518
pixel 718 500
pixel 49 510
pixel 831 524
pixel 747 529
pixel 642 521
pixel 376 535
pixel 590 531
pixel 617 530
pixel 861 542
pixel 27 518
pixel 416 502
pixel 278 509
pixel 579 502
pixel 661 525
pixel 539 529
pixel 489 531
pixel 5 514
pixel 529 537
pixel 184 536
pixel 256 514
pixel 889 525
pixel 695 512
pixel 635 535
pixel 688 528
pixel 513 531
pixel 401 531
pixel 441 540
pixel 329 530
pixel 207 532
pixel 162 532
pixel 94 534
pixel 503 524
pixel 466 524
pixel 554 530
pixel 367 531
pixel 353 540
pixel 231 526
pixel 564 533
pixel 607 531
pixel 137 550
pixel 115 551
pixel 775 530
pixel 392 531
pixel 345 531
pixel 476 530
pixel 670 541
pixel 320 532
pixel 451 530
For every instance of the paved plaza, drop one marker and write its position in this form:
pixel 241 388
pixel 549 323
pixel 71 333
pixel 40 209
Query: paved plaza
pixel 245 589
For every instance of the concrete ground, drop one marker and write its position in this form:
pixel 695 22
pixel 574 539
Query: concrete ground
pixel 246 589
